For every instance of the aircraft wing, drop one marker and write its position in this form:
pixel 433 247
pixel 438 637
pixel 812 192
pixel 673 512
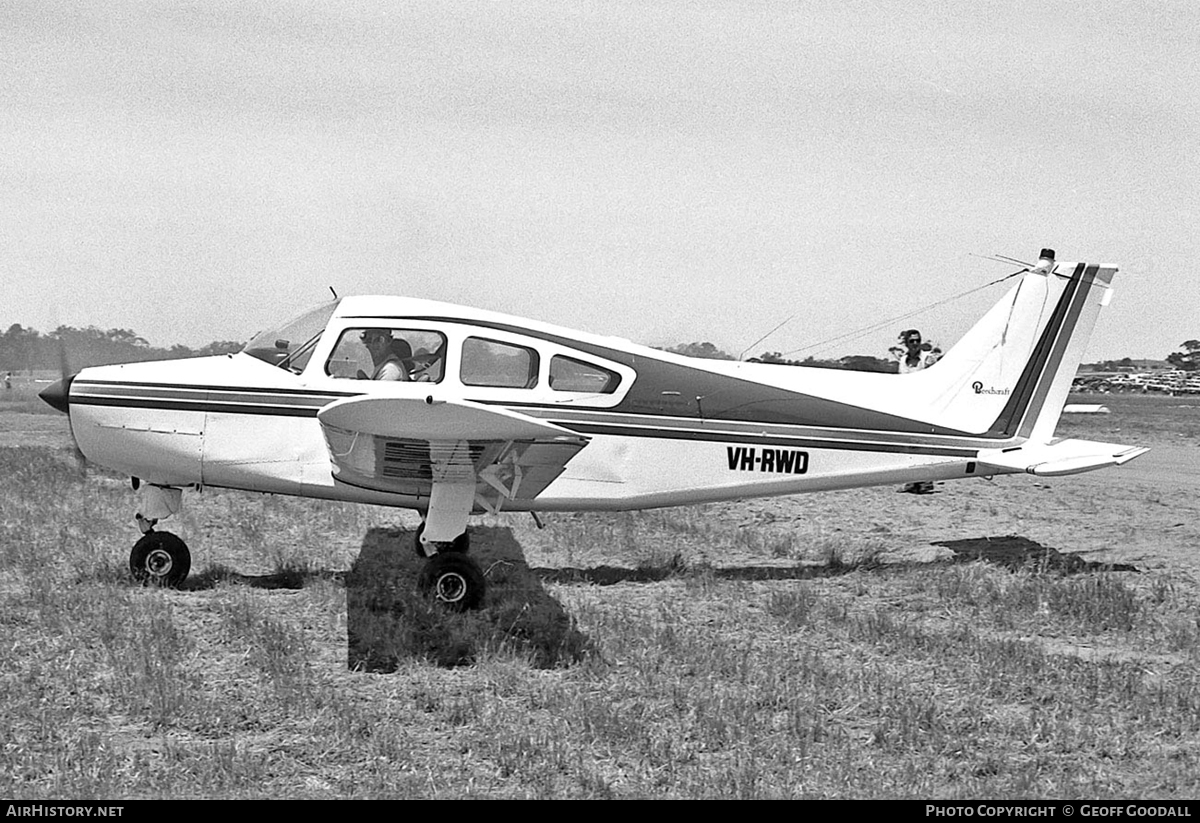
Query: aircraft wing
pixel 407 446
pixel 1057 459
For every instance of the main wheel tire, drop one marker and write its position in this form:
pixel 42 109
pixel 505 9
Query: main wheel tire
pixel 160 559
pixel 453 580
pixel 461 544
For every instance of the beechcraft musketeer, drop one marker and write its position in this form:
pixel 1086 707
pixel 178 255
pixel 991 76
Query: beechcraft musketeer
pixel 455 411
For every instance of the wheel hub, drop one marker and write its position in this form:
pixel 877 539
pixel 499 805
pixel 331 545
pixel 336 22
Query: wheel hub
pixel 451 587
pixel 159 563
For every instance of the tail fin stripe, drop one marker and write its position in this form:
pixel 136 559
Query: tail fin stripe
pixel 1034 382
pixel 1033 411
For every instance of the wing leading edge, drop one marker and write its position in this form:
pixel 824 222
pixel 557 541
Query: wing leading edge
pixel 459 454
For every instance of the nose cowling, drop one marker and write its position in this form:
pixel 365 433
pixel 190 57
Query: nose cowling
pixel 58 394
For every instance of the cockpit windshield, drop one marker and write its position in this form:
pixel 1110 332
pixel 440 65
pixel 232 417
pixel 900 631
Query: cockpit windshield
pixel 290 345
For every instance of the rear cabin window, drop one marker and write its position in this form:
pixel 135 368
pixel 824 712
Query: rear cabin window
pixel 404 355
pixel 569 374
pixel 499 365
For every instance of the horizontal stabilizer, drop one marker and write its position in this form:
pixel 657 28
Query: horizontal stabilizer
pixel 427 419
pixel 1058 459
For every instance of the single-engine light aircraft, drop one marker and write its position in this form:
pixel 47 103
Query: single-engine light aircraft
pixel 455 411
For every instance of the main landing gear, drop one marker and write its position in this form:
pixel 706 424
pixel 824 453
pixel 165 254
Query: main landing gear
pixel 449 576
pixel 159 558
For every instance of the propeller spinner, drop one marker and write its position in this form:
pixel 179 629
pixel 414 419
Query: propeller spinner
pixel 58 394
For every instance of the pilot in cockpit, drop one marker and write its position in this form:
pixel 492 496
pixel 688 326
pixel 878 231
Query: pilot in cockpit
pixel 391 357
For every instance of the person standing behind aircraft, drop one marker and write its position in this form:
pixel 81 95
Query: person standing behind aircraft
pixel 388 355
pixel 912 355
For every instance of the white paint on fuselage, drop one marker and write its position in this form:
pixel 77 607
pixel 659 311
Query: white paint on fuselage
pixel 162 446
pixel 282 454
pixel 280 448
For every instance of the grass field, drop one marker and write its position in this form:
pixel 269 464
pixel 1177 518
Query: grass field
pixel 22 396
pixel 854 645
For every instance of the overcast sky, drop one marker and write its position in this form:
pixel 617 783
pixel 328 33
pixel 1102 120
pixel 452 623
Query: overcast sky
pixel 667 172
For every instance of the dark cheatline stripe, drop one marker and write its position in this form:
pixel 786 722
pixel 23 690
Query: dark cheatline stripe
pixel 558 414
pixel 182 397
pixel 645 431
pixel 760 440
pixel 235 389
pixel 605 421
pixel 199 406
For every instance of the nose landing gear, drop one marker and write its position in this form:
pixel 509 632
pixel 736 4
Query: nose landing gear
pixel 158 558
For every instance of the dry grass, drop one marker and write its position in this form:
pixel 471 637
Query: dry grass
pixel 709 659
pixel 22 397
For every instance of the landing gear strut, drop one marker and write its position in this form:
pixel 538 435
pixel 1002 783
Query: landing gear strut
pixel 160 559
pixel 460 545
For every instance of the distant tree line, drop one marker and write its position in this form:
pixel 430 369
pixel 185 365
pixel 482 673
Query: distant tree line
pixel 1189 358
pixel 23 349
pixel 1124 364
pixel 853 362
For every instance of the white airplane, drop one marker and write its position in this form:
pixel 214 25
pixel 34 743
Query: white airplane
pixel 471 411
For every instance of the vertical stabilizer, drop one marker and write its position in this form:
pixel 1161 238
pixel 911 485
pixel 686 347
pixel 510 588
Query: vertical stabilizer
pixel 1009 376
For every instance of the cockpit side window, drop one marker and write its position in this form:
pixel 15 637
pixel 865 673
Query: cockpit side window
pixel 496 364
pixel 386 353
pixel 291 345
pixel 569 374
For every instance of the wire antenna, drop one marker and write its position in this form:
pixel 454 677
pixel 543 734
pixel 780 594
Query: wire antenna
pixel 765 336
pixel 874 326
pixel 1003 258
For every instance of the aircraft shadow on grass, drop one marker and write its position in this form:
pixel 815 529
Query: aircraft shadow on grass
pixel 388 622
pixel 1011 551
pixel 1016 552
pixel 287 579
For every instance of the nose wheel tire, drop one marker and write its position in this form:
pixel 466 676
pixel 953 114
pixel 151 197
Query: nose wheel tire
pixel 453 580
pixel 160 559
